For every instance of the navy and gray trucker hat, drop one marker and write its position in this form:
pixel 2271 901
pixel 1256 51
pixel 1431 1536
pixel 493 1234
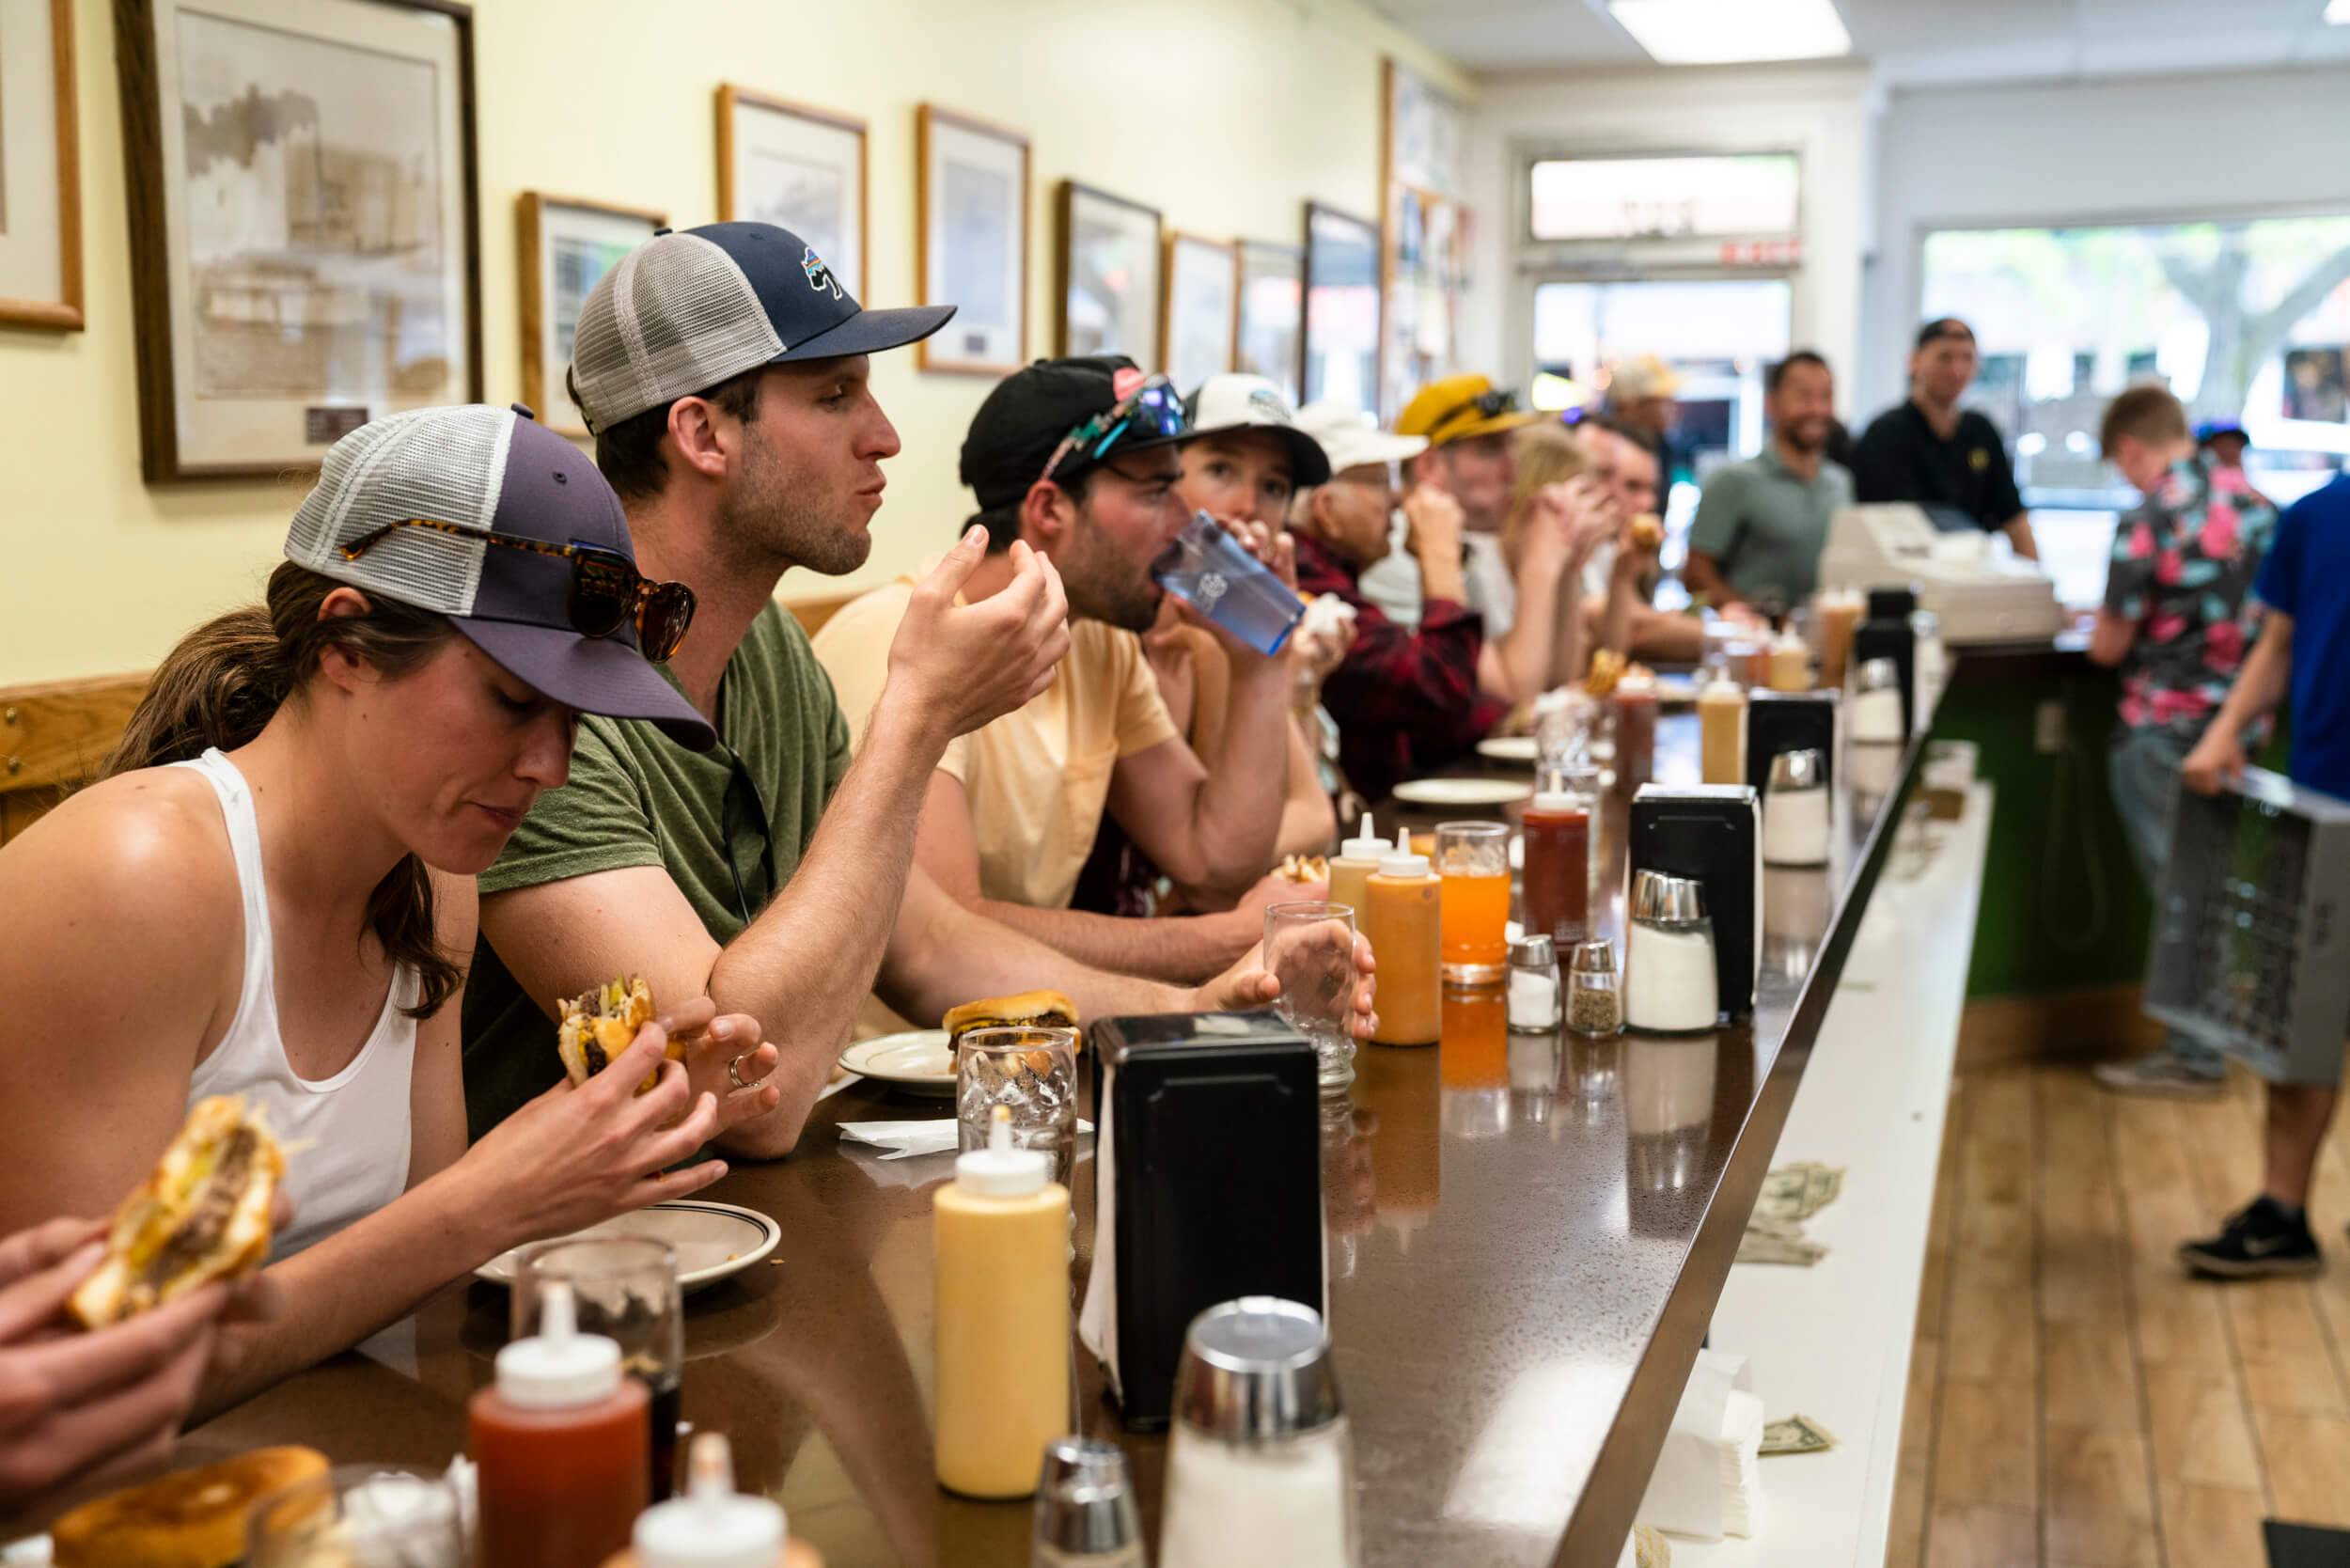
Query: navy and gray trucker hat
pixel 688 309
pixel 474 471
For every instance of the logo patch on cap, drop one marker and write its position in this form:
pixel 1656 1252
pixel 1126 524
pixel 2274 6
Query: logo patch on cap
pixel 1124 383
pixel 820 276
pixel 1271 407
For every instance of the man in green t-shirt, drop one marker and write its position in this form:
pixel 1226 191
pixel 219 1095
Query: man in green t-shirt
pixel 724 373
pixel 1762 524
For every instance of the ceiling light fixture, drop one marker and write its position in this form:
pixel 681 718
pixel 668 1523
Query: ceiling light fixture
pixel 2337 12
pixel 1727 32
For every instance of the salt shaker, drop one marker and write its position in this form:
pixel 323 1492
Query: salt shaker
pixel 1594 989
pixel 1260 1467
pixel 1085 1507
pixel 1876 705
pixel 1671 984
pixel 1533 985
pixel 1796 812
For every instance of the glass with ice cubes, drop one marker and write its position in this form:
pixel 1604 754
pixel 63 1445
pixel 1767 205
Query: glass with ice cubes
pixel 1031 1070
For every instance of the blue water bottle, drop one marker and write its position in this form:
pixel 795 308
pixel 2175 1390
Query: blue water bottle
pixel 1206 568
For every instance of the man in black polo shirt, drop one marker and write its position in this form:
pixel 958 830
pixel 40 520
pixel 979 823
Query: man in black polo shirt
pixel 1936 454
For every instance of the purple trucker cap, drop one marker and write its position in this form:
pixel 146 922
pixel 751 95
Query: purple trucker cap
pixel 476 472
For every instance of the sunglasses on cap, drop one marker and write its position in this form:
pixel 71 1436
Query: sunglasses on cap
pixel 606 588
pixel 1150 411
pixel 1485 405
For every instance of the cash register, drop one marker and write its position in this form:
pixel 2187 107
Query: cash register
pixel 1974 595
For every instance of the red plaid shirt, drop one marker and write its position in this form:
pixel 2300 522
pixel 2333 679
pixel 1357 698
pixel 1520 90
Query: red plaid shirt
pixel 1407 704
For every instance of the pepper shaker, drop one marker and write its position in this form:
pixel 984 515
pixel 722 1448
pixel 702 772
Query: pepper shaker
pixel 1594 989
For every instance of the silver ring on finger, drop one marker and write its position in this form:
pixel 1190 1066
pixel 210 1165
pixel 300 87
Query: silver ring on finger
pixel 734 1071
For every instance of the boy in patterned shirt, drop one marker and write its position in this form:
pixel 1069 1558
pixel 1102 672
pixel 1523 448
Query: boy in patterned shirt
pixel 2177 619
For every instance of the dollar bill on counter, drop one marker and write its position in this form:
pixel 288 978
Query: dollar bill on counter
pixel 1797 1434
pixel 1768 1243
pixel 1797 1192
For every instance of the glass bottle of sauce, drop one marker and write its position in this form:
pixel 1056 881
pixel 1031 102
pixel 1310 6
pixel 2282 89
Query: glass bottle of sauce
pixel 1000 1237
pixel 1400 916
pixel 1722 731
pixel 560 1438
pixel 1635 730
pixel 1558 867
pixel 1353 866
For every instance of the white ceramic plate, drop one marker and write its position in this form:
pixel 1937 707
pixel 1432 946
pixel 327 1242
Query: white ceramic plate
pixel 1461 792
pixel 1676 690
pixel 711 1240
pixel 1509 748
pixel 919 1062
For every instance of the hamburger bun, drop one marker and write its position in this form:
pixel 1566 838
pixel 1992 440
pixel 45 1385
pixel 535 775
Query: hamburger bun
pixel 1647 531
pixel 194 1519
pixel 599 1024
pixel 202 1214
pixel 1037 1008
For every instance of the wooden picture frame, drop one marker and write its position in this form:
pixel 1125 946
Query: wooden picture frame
pixel 1198 307
pixel 553 283
pixel 40 262
pixel 1338 247
pixel 1269 312
pixel 792 139
pixel 1098 236
pixel 268 376
pixel 971 201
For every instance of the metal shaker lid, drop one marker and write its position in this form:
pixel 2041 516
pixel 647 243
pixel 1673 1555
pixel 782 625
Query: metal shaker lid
pixel 1085 1499
pixel 1668 901
pixel 1256 1371
pixel 1804 769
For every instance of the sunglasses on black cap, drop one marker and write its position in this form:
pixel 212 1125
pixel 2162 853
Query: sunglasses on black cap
pixel 1150 411
pixel 606 588
pixel 1485 405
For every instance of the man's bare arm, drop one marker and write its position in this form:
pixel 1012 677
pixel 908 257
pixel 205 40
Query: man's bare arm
pixel 1183 949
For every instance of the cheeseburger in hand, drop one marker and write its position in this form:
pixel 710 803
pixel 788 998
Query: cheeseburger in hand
pixel 599 1024
pixel 202 1215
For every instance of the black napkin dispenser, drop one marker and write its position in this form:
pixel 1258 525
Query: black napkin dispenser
pixel 1789 721
pixel 1713 833
pixel 1213 1137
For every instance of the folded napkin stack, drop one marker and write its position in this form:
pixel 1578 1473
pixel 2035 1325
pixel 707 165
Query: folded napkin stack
pixel 1708 1481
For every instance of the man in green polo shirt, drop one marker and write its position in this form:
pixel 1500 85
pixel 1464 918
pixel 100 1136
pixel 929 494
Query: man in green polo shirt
pixel 1760 524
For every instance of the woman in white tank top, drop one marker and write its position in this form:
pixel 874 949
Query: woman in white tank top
pixel 282 911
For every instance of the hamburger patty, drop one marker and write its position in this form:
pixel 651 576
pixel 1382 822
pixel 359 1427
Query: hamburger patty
pixel 202 1228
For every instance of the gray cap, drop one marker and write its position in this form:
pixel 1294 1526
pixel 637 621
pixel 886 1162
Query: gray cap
pixel 685 311
pixel 480 472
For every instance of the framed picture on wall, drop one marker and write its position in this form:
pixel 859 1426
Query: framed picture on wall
pixel 566 244
pixel 1109 275
pixel 40 177
pixel 303 249
pixel 1197 319
pixel 1339 358
pixel 1269 312
pixel 971 249
pixel 799 167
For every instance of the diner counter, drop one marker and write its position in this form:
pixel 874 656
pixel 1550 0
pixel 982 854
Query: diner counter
pixel 1526 1237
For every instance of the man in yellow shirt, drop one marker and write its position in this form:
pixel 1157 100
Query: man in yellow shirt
pixel 1078 459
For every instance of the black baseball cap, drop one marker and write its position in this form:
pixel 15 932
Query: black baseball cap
pixel 1031 411
pixel 690 309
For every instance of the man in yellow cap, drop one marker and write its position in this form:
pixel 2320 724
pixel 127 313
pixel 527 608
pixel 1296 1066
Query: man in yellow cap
pixel 1467 473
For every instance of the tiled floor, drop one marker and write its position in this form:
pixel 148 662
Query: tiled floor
pixel 2076 1400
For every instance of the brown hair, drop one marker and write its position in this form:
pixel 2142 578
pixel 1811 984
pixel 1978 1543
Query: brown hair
pixel 629 453
pixel 228 678
pixel 2148 414
pixel 1547 453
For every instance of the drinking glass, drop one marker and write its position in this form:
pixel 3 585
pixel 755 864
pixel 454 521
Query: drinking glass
pixel 360 1517
pixel 1206 568
pixel 1032 1071
pixel 1473 858
pixel 625 1288
pixel 1309 947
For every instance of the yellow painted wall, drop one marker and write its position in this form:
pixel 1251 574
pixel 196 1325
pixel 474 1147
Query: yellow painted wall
pixel 1224 114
